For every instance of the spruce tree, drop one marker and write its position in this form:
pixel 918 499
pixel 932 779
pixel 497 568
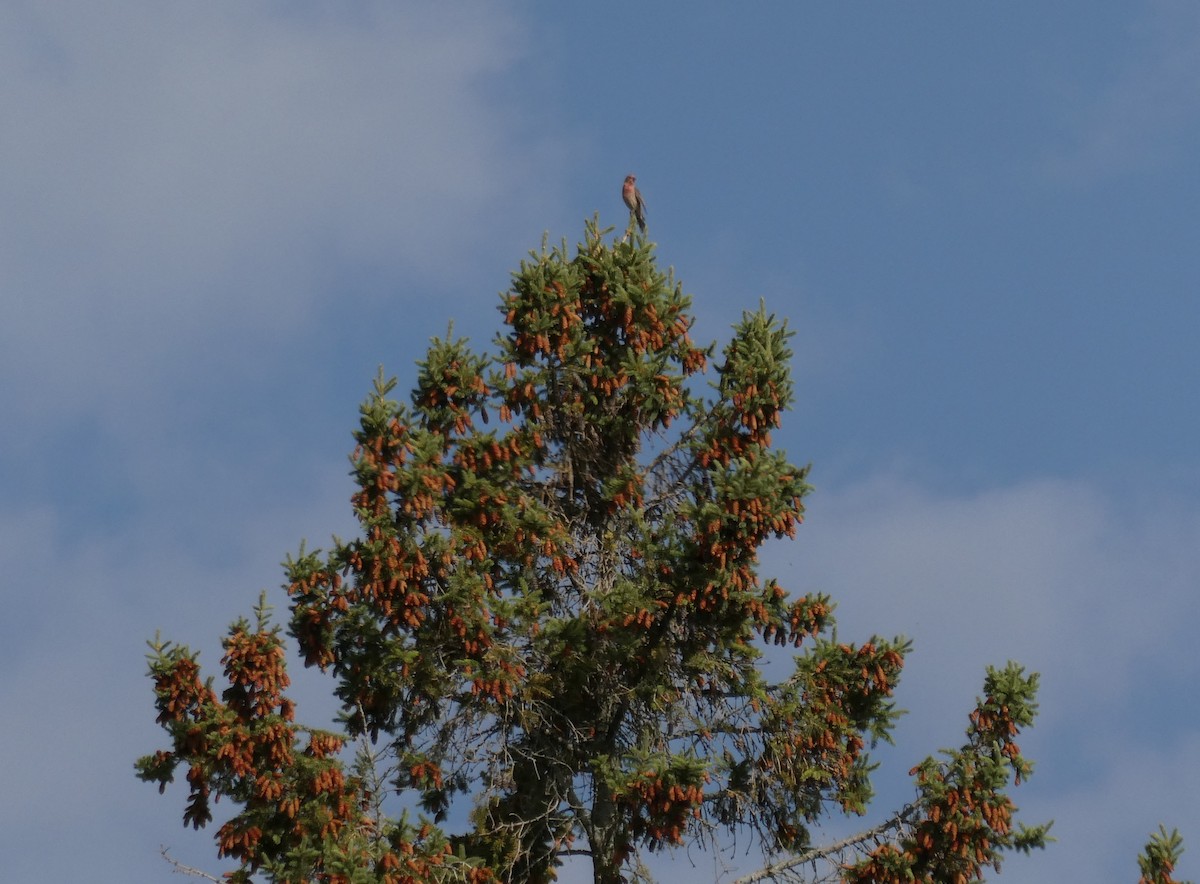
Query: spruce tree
pixel 548 636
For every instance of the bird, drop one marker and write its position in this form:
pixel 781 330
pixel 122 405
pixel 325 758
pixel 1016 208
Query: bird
pixel 633 199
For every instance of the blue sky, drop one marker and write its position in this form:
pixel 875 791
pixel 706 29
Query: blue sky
pixel 216 221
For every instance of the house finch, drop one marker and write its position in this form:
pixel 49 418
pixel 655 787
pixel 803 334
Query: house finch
pixel 633 199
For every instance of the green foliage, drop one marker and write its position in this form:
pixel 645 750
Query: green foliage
pixel 1159 857
pixel 301 817
pixel 963 819
pixel 552 614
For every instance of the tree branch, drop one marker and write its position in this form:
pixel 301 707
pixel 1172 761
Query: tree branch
pixel 181 869
pixel 774 870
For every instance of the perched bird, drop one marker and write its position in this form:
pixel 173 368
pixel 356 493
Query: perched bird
pixel 633 199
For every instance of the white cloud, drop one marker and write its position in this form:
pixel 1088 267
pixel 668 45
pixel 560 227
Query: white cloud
pixel 1103 823
pixel 1040 572
pixel 171 173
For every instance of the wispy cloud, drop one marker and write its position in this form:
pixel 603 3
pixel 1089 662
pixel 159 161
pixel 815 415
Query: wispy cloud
pixel 169 171
pixel 72 645
pixel 1148 114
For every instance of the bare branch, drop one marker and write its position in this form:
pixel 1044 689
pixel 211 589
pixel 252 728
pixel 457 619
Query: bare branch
pixel 783 867
pixel 181 869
